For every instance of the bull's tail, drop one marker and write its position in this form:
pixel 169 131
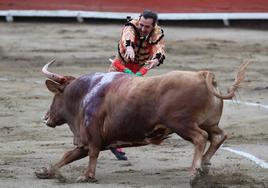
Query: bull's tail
pixel 236 84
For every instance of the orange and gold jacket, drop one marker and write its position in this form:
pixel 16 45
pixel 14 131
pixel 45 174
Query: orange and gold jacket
pixel 146 48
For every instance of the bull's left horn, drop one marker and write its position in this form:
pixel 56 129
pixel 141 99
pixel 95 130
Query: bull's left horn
pixel 53 76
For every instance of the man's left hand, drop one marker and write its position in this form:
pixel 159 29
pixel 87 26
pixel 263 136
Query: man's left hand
pixel 151 63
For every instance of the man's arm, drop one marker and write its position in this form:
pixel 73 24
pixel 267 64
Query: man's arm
pixel 120 67
pixel 159 53
pixel 157 60
pixel 128 37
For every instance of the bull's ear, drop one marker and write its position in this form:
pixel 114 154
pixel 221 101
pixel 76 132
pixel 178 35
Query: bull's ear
pixel 52 86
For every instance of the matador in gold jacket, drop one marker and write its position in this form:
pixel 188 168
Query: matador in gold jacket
pixel 141 46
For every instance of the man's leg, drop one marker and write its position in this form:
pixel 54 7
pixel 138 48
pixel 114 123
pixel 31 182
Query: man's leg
pixel 119 153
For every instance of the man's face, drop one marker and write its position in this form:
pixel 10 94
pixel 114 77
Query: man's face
pixel 145 26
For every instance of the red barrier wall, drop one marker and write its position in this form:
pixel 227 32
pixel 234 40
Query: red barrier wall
pixel 136 6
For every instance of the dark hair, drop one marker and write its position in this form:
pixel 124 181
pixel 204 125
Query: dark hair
pixel 150 14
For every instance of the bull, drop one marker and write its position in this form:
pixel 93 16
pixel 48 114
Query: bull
pixel 107 110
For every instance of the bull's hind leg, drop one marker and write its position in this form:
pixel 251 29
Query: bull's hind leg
pixel 68 157
pixel 191 132
pixel 199 139
pixel 216 137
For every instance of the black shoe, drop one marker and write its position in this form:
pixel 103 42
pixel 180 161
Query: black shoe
pixel 122 153
pixel 119 155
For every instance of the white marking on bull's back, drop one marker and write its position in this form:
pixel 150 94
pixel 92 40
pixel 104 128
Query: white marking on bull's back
pixel 106 78
pixel 251 157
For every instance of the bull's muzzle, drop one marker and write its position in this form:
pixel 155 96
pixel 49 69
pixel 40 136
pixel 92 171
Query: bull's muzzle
pixel 47 121
pixel 49 124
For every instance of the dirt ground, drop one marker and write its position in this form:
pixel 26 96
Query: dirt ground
pixel 26 144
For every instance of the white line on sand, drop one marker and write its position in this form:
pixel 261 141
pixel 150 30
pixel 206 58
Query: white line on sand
pixel 258 161
pixel 249 104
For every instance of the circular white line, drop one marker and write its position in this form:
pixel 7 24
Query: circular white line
pixel 258 161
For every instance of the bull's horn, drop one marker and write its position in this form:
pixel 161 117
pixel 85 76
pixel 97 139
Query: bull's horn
pixel 55 77
pixel 111 60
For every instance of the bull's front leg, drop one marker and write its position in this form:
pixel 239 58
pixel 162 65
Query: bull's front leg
pixel 89 175
pixel 68 157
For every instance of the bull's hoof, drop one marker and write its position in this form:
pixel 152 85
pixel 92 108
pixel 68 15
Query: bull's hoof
pixel 193 180
pixel 196 175
pixel 60 177
pixel 205 169
pixel 45 173
pixel 86 179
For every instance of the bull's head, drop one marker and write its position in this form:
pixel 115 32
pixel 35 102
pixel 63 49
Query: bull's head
pixel 56 84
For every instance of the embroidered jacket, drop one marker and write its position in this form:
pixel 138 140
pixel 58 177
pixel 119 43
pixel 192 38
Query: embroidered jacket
pixel 146 48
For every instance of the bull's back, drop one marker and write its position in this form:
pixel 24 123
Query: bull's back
pixel 141 103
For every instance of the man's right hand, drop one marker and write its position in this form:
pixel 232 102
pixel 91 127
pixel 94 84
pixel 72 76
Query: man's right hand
pixel 130 54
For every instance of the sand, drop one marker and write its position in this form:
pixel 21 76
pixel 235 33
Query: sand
pixel 26 144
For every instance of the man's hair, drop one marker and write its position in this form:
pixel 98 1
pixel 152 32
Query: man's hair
pixel 150 14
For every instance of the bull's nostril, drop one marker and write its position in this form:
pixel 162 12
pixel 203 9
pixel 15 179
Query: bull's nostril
pixel 49 124
pixel 44 118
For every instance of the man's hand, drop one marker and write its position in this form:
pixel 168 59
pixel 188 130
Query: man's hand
pixel 151 63
pixel 130 54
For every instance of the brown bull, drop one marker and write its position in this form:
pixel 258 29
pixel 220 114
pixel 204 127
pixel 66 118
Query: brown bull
pixel 105 110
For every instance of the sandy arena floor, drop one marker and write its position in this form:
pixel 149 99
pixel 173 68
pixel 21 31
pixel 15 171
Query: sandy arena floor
pixel 26 144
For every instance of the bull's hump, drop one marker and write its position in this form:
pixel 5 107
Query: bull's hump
pixel 98 81
pixel 96 85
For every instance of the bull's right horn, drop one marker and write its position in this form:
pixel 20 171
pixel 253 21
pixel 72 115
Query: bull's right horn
pixel 53 76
